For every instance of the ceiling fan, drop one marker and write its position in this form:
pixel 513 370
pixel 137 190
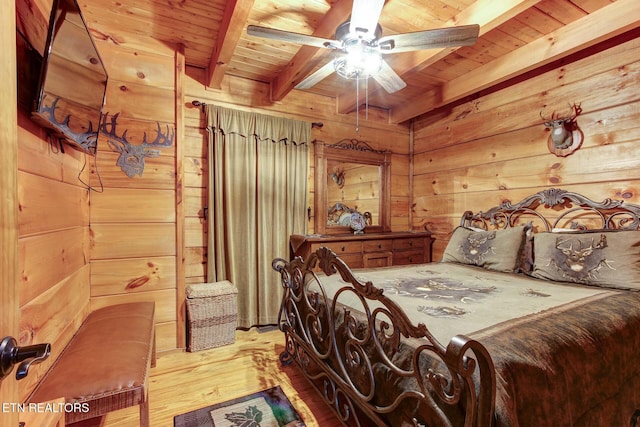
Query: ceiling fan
pixel 359 45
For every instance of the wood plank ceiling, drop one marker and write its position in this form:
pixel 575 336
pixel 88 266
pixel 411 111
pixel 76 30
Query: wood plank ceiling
pixel 516 36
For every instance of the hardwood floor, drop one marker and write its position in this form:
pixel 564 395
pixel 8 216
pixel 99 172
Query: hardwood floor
pixel 182 381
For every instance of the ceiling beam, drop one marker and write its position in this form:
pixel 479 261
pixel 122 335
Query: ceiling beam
pixel 489 14
pixel 236 13
pixel 307 57
pixel 594 28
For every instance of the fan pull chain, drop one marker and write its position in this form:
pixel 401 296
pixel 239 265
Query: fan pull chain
pixel 366 97
pixel 357 103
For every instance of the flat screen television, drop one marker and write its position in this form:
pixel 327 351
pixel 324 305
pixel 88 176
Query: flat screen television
pixel 73 80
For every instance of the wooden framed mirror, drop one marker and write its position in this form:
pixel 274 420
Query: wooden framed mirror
pixel 350 176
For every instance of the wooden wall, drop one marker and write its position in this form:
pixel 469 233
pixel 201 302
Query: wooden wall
pixel 9 286
pixel 53 230
pixel 492 148
pixel 254 96
pixel 133 219
pixel 53 225
pixel 80 249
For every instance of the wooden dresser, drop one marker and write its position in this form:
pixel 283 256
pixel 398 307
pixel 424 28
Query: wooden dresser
pixel 368 250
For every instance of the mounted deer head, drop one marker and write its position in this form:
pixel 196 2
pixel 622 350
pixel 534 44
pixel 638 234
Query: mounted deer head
pixel 338 176
pixel 131 159
pixel 565 136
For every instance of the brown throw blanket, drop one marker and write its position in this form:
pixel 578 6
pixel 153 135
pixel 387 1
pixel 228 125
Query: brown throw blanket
pixel 565 355
pixel 575 365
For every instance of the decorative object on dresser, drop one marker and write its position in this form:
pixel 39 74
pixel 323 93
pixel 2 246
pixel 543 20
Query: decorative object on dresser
pixel 340 214
pixel 368 250
pixel 212 314
pixel 357 223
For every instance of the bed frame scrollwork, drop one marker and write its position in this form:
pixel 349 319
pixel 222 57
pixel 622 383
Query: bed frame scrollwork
pixel 346 353
pixel 577 211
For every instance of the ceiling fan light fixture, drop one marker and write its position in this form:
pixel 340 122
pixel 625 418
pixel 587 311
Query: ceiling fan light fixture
pixel 359 45
pixel 359 62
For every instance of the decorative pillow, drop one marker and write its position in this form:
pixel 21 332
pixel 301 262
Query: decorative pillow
pixel 497 250
pixel 601 258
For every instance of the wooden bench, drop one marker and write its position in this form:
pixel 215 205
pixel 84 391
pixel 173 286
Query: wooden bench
pixel 105 366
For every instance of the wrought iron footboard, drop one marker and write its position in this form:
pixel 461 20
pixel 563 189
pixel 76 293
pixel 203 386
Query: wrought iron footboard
pixel 370 363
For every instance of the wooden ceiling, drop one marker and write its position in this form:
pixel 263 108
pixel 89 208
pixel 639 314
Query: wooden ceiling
pixel 516 36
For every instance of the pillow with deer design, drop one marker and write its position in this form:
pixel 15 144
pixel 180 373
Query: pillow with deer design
pixel 497 250
pixel 600 258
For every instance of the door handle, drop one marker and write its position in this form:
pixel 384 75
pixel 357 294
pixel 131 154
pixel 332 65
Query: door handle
pixel 11 354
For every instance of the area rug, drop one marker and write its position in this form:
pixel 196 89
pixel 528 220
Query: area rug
pixel 267 408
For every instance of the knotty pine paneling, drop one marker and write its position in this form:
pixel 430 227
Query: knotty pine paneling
pixel 63 251
pixel 40 196
pixel 164 299
pixel 195 232
pixel 196 170
pixel 195 260
pixel 147 66
pixel 512 109
pixel 122 276
pixel 142 205
pixel 132 240
pixel 494 147
pixel 53 317
pixel 142 102
pixel 9 291
pixel 53 242
pixel 37 156
pixel 134 220
pixel 192 201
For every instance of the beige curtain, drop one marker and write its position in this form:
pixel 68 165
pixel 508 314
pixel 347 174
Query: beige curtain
pixel 257 198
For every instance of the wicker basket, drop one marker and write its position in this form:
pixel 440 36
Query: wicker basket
pixel 212 313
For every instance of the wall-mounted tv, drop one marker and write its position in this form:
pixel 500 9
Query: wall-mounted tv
pixel 73 80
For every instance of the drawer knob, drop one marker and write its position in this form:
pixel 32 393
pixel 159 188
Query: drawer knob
pixel 342 248
pixel 379 246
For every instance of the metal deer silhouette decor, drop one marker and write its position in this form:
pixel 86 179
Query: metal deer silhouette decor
pixel 565 137
pixel 87 141
pixel 131 159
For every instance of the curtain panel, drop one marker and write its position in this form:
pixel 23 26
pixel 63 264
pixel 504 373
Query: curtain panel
pixel 257 196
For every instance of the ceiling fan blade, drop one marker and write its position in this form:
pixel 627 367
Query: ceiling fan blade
pixel 316 77
pixel 464 35
pixel 388 79
pixel 287 36
pixel 365 15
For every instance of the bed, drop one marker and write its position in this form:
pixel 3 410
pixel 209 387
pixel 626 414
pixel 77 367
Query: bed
pixel 531 318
